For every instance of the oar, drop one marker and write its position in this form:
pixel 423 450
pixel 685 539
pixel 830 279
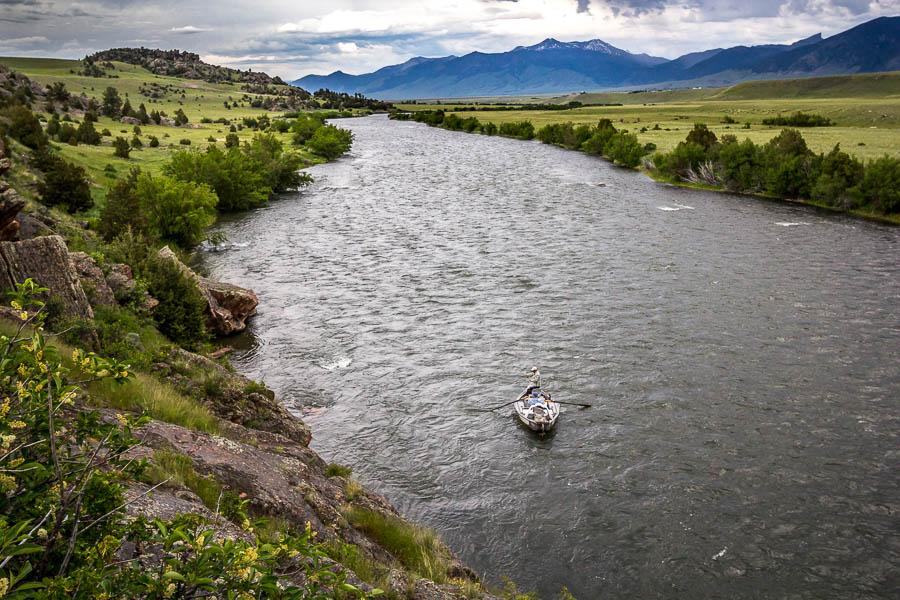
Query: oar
pixel 572 403
pixel 496 407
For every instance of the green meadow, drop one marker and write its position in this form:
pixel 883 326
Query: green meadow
pixel 865 108
pixel 198 99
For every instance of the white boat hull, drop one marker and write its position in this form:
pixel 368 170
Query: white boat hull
pixel 540 417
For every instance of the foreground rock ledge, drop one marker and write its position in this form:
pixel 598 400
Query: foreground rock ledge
pixel 281 478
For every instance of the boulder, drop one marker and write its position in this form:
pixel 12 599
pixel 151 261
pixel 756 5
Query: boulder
pixel 47 262
pixel 10 205
pixel 130 121
pixel 5 163
pixel 31 227
pixel 92 281
pixel 228 306
pixel 246 403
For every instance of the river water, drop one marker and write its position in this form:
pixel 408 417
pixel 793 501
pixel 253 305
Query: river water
pixel 742 358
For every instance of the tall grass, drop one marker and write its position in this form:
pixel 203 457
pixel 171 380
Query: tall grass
pixel 417 548
pixel 158 399
pixel 179 470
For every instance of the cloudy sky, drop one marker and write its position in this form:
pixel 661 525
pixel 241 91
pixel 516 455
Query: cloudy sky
pixel 292 38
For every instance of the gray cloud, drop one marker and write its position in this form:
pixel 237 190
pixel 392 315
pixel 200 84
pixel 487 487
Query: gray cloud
pixel 254 33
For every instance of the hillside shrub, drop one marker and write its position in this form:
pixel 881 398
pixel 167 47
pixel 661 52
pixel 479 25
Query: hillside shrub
pixel 121 147
pixel 330 141
pixel 122 209
pixel 181 311
pixel 799 119
pixel 176 210
pixel 64 184
pixel 23 126
pixel 239 182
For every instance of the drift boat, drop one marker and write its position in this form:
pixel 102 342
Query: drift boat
pixel 538 414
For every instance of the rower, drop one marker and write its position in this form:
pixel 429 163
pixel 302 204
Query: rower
pixel 534 381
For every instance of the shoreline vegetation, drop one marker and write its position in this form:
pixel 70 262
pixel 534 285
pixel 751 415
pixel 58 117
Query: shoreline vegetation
pixel 784 168
pixel 106 162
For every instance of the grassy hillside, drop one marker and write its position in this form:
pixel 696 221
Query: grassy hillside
pixel 866 109
pixel 198 99
pixel 868 85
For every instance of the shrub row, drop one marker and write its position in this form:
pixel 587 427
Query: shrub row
pixel 784 167
pixel 604 139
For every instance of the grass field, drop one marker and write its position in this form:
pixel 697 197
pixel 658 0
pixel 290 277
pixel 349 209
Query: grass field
pixel 198 99
pixel 866 109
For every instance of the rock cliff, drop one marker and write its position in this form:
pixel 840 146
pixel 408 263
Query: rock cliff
pixel 228 306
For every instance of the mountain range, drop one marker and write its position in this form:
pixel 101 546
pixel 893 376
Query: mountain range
pixel 564 67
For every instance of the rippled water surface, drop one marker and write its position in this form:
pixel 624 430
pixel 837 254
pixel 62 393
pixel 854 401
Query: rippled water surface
pixel 741 356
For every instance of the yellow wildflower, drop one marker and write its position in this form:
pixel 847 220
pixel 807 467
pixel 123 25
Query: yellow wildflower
pixel 4 586
pixel 17 424
pixel 23 315
pixel 16 304
pixel 122 420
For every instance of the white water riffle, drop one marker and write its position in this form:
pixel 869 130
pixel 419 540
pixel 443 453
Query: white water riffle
pixel 740 354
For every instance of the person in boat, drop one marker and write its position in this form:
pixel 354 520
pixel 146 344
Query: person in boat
pixel 534 380
pixel 535 398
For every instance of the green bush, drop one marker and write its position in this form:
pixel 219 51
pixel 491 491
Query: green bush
pixel 880 186
pixel 121 147
pixel 625 149
pixel 282 168
pixel 239 181
pixel 181 311
pixel 330 141
pixel 87 134
pixel 64 184
pixel 176 210
pixel 23 126
pixel 522 130
pixel 122 209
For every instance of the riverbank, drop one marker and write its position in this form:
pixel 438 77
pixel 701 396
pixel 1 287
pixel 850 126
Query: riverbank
pixel 782 169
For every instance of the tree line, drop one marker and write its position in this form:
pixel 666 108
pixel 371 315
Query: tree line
pixel 784 167
pixel 603 138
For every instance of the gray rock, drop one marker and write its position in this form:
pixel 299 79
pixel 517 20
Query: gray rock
pixel 47 262
pixel 92 280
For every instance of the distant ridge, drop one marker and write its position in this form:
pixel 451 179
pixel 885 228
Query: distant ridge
pixel 552 66
pixel 177 63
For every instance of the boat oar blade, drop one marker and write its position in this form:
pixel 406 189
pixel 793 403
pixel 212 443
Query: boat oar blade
pixel 573 404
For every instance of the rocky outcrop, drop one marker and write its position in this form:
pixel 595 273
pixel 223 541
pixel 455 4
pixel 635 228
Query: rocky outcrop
pixel 10 205
pixel 238 399
pixel 93 282
pixel 186 65
pixel 280 478
pixel 130 121
pixel 10 202
pixel 47 262
pixel 228 306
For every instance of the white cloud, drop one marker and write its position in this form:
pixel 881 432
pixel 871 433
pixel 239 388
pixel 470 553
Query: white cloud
pixel 188 29
pixel 24 41
pixel 348 47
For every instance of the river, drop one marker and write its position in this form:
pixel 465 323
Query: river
pixel 742 358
